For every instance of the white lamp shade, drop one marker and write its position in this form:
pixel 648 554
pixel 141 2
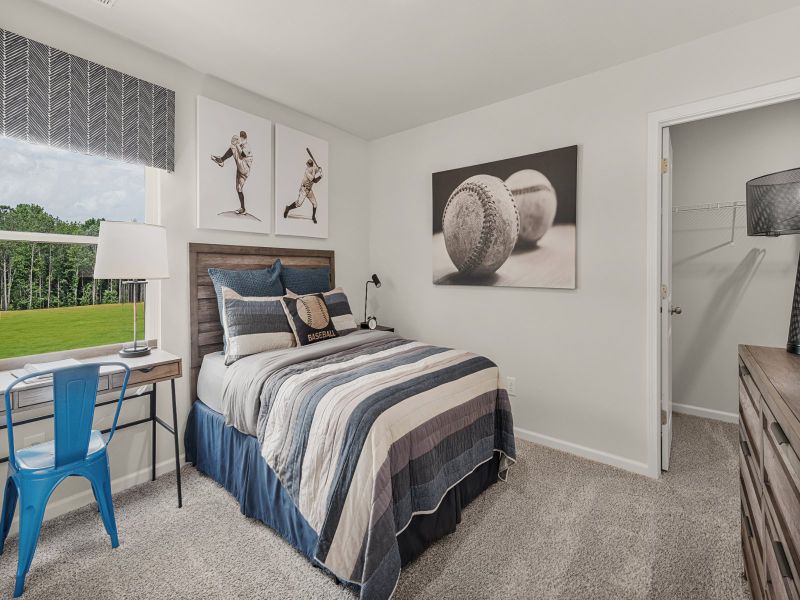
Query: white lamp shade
pixel 131 251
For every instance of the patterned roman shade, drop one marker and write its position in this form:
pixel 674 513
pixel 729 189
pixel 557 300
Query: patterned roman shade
pixel 58 99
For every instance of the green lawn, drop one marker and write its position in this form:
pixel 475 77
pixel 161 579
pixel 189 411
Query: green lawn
pixel 24 332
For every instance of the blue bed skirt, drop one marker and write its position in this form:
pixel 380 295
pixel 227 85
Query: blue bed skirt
pixel 233 459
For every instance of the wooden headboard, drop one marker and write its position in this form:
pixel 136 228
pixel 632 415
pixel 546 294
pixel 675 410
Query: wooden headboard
pixel 206 330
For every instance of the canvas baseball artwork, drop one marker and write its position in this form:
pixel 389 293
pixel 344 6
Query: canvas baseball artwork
pixel 301 183
pixel 510 222
pixel 234 168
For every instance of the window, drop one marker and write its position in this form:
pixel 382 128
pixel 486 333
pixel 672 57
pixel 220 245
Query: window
pixel 51 205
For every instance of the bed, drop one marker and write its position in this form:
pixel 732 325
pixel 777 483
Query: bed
pixel 360 450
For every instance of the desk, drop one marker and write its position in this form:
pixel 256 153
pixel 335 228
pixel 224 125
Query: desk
pixel 145 371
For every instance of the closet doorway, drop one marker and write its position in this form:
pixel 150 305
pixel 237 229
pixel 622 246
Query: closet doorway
pixel 726 288
pixel 710 286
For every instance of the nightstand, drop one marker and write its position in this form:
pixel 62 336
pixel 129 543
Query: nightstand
pixel 378 328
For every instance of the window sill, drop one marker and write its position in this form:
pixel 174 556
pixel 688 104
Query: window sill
pixel 47 238
pixel 16 362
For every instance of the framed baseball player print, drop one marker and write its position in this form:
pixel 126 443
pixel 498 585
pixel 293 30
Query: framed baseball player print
pixel 510 222
pixel 234 168
pixel 301 183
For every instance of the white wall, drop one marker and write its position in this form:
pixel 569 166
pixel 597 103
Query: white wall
pixel 730 293
pixel 348 192
pixel 578 356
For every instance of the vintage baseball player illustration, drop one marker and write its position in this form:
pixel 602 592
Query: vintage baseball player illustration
pixel 234 174
pixel 241 153
pixel 301 183
pixel 312 175
pixel 509 223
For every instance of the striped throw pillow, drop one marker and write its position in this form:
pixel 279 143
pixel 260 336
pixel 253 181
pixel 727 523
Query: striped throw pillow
pixel 340 311
pixel 338 308
pixel 253 324
pixel 256 282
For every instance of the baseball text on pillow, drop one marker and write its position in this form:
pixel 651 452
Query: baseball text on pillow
pixel 309 319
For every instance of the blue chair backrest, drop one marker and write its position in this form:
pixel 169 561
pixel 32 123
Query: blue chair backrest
pixel 74 401
pixel 74 398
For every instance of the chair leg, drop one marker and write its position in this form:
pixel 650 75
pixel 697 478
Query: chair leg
pixel 100 478
pixel 9 507
pixel 30 524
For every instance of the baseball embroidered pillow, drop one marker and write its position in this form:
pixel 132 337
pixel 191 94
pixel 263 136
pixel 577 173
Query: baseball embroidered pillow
pixel 309 319
pixel 338 310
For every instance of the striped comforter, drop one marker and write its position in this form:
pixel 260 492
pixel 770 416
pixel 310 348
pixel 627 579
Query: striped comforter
pixel 369 431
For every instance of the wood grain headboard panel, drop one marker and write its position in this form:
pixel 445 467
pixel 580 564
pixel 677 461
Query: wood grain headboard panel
pixel 205 328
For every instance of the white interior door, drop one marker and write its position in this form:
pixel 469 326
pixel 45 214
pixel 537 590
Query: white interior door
pixel 666 299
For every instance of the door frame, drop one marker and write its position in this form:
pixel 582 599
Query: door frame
pixel 764 95
pixel 665 299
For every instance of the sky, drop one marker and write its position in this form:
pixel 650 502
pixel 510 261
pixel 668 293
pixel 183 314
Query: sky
pixel 71 186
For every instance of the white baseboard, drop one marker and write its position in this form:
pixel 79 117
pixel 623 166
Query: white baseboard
pixel 65 505
pixel 606 458
pixel 705 413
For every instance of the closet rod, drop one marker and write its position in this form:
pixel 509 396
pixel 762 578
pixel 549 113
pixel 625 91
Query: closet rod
pixel 711 206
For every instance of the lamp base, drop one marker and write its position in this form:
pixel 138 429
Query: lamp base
pixel 793 348
pixel 134 352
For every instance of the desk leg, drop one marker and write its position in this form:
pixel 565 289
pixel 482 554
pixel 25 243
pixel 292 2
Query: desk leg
pixel 153 421
pixel 177 445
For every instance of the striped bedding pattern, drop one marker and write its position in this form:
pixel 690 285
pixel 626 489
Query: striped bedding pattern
pixel 367 435
pixel 253 324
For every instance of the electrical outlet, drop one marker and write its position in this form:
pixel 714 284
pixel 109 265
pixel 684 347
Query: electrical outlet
pixel 30 440
pixel 511 386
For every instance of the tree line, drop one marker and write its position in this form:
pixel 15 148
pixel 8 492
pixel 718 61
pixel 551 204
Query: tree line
pixel 48 275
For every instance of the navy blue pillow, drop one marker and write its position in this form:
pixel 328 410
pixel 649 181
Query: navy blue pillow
pixel 306 281
pixel 258 282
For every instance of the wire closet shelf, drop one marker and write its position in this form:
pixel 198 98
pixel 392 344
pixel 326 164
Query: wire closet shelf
pixel 709 206
pixel 732 206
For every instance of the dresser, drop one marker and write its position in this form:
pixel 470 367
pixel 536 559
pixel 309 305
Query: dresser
pixel 769 470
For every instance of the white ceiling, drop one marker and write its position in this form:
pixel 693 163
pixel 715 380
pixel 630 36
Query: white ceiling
pixel 375 67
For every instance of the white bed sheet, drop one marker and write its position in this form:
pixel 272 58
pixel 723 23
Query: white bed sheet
pixel 210 380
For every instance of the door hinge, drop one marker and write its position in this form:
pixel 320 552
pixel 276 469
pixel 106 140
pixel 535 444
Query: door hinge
pixel 664 165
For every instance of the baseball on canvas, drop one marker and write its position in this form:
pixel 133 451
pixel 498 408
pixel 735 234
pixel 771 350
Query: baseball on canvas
pixel 510 222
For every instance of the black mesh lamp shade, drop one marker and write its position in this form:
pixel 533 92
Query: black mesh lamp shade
pixel 773 209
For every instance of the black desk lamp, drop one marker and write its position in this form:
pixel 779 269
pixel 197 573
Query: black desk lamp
pixel 377 283
pixel 773 209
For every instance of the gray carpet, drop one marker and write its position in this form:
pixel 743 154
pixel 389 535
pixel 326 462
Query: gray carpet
pixel 562 527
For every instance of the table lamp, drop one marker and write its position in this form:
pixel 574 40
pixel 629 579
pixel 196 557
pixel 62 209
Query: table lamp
pixel 773 209
pixel 377 283
pixel 133 252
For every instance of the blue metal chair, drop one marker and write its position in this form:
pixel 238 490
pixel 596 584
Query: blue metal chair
pixel 76 450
